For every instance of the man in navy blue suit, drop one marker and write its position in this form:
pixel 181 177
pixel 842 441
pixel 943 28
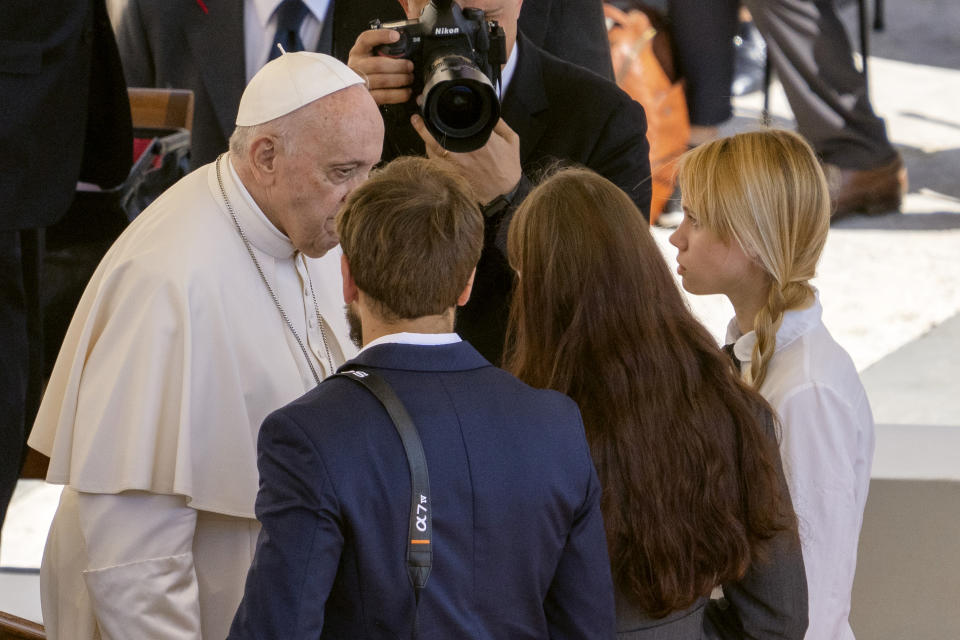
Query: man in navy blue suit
pixel 518 543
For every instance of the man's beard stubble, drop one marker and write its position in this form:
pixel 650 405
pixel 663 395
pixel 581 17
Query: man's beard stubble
pixel 356 327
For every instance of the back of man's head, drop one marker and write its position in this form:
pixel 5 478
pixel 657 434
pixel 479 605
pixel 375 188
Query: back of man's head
pixel 412 235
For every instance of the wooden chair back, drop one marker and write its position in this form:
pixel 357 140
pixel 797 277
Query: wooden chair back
pixel 14 628
pixel 161 108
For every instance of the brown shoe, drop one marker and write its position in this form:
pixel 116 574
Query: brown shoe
pixel 869 191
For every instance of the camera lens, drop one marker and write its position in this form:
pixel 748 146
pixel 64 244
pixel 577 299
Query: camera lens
pixel 459 108
pixel 460 105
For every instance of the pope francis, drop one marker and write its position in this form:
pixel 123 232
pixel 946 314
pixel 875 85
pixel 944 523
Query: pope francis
pixel 220 303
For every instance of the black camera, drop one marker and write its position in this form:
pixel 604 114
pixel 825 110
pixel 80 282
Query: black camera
pixel 457 56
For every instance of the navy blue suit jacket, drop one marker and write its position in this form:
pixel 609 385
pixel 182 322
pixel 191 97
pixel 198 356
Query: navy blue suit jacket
pixel 519 548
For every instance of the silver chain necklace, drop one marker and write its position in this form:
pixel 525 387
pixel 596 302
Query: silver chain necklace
pixel 276 300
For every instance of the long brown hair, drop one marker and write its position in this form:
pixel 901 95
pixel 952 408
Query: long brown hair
pixel 691 488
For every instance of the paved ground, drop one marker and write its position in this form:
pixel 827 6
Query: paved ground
pixel 890 285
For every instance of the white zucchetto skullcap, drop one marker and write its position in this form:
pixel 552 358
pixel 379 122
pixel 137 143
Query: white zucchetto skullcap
pixel 291 81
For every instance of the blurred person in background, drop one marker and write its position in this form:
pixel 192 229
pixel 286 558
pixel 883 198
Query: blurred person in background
pixel 65 118
pixel 811 53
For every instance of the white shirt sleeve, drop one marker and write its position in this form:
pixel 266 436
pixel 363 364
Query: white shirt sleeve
pixel 140 575
pixel 819 444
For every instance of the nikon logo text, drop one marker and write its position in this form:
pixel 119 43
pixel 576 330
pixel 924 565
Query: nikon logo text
pixel 446 31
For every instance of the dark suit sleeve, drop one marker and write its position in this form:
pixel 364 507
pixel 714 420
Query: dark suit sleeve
pixel 770 601
pixel 579 603
pixel 134 46
pixel 622 154
pixel 572 30
pixel 299 547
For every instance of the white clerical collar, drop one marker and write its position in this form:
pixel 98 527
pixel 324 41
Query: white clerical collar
pixel 256 226
pixel 266 8
pixel 508 69
pixel 796 322
pixel 422 339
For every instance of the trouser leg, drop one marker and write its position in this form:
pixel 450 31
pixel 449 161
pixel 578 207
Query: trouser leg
pixel 811 53
pixel 703 33
pixel 15 370
pixel 22 351
pixel 33 248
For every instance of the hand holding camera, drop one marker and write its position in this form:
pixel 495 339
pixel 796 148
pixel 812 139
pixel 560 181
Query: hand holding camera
pixel 390 80
pixel 492 170
pixel 455 57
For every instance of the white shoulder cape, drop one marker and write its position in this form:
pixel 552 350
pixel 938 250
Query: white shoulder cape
pixel 174 357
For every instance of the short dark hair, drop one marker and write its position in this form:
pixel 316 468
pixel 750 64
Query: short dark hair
pixel 412 234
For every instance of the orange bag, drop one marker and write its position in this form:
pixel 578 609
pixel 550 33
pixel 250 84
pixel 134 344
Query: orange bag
pixel 643 67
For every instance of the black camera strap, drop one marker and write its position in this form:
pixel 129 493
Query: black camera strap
pixel 420 532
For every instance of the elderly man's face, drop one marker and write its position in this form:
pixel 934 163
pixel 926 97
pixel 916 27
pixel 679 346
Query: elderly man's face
pixel 334 153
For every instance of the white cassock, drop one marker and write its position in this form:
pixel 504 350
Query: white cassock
pixel 174 357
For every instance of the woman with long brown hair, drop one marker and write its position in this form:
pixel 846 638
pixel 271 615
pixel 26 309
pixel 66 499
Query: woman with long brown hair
pixel 693 492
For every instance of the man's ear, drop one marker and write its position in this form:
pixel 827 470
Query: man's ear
pixel 465 294
pixel 262 156
pixel 350 291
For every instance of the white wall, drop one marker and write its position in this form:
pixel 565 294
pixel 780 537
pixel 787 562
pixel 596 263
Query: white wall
pixel 907 585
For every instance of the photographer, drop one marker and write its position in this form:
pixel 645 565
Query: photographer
pixel 551 111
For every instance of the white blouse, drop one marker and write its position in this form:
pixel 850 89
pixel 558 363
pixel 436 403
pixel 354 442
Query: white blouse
pixel 827 446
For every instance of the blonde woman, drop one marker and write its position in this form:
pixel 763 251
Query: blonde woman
pixel 756 215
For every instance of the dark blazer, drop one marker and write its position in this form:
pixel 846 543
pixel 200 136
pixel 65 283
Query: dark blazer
pixel 64 116
pixel 175 43
pixel 65 113
pixel 519 548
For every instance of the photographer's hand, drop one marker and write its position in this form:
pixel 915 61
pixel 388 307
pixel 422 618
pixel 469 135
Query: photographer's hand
pixel 388 79
pixel 492 170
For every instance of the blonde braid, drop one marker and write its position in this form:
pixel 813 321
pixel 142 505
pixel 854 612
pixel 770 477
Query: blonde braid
pixel 793 295
pixel 765 325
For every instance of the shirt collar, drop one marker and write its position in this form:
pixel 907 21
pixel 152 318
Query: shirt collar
pixel 422 339
pixel 256 226
pixel 266 8
pixel 796 322
pixel 508 69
